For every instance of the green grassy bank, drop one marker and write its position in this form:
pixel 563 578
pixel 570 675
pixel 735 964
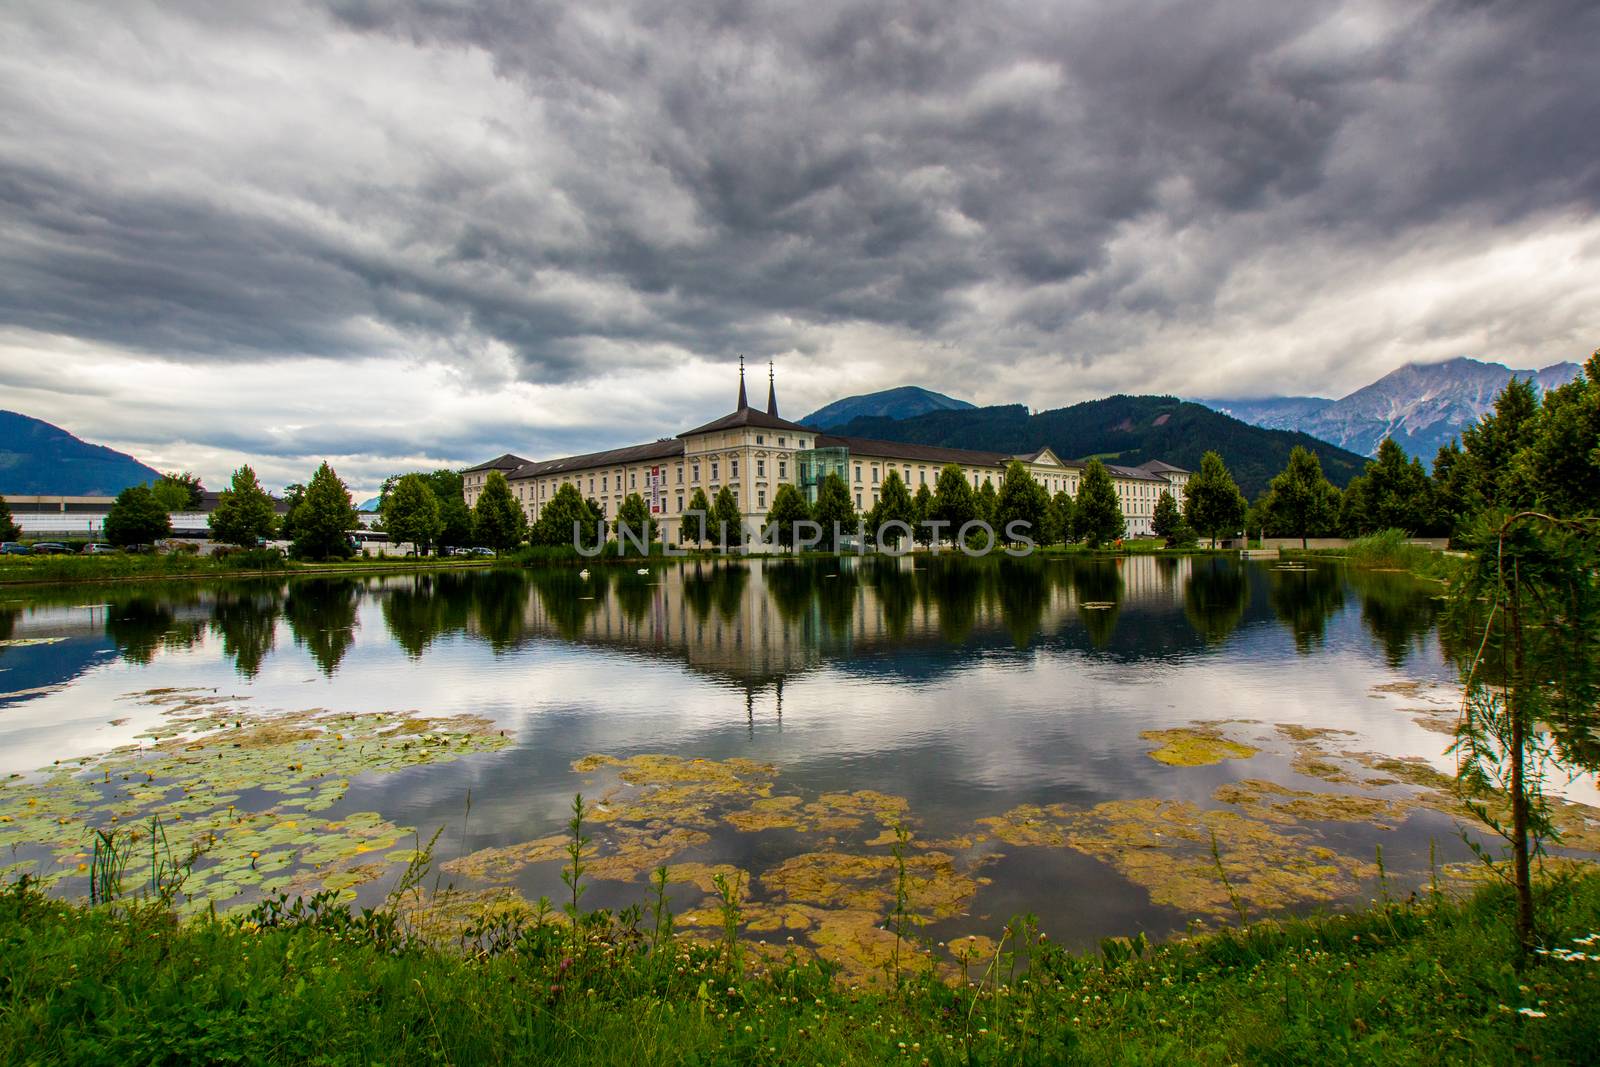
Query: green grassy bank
pixel 66 570
pixel 1388 550
pixel 1414 982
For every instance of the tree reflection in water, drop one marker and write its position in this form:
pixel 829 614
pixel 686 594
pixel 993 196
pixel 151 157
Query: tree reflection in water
pixel 1304 600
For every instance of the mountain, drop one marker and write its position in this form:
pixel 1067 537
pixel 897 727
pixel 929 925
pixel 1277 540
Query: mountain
pixel 902 403
pixel 369 505
pixel 1421 405
pixel 1127 430
pixel 38 458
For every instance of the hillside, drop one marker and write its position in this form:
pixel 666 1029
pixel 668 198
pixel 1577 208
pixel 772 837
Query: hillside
pixel 1422 406
pixel 905 402
pixel 1120 429
pixel 39 458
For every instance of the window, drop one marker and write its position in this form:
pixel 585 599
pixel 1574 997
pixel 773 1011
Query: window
pixel 874 474
pixel 922 475
pixel 760 439
pixel 858 478
pixel 908 475
pixel 713 471
pixel 604 486
pixel 761 498
pixel 761 468
pixel 800 443
pixel 858 501
pixel 783 469
pixel 591 483
pixel 680 500
pixel 733 468
pixel 695 472
pixel 633 479
pixel 680 474
pixel 780 442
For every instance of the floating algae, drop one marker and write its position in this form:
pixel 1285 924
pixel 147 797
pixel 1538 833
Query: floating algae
pixel 683 792
pixel 830 812
pixel 1280 804
pixel 192 775
pixel 1194 746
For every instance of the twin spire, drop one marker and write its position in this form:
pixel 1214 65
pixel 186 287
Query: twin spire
pixel 772 389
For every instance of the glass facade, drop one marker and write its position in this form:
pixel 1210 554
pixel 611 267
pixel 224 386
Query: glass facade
pixel 815 464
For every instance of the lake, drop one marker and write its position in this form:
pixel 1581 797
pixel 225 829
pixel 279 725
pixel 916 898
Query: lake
pixel 1113 745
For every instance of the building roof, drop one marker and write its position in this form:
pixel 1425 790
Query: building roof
pixel 748 416
pixel 1156 466
pixel 663 449
pixel 863 446
pixel 507 462
pixel 1137 474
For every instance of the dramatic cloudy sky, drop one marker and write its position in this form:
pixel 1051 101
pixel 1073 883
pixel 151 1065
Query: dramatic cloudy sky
pixel 425 231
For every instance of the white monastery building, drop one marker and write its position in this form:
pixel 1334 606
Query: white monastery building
pixel 752 452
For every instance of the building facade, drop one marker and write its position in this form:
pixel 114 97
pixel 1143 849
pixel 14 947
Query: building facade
pixel 752 452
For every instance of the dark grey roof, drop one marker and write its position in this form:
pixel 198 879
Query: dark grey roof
pixel 664 449
pixel 1155 466
pixel 1138 474
pixel 863 446
pixel 748 417
pixel 507 462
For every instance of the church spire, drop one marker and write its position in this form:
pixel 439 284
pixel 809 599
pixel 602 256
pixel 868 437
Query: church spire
pixel 772 391
pixel 743 403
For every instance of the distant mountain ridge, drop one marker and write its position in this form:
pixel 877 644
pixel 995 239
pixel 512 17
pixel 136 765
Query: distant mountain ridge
pixel 904 402
pixel 1127 430
pixel 38 458
pixel 1421 405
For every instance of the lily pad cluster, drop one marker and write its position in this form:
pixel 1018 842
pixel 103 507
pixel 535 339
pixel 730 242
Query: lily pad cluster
pixel 221 801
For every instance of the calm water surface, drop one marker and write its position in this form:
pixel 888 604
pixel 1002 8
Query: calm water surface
pixel 968 688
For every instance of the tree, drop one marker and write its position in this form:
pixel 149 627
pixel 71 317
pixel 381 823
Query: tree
pixel 696 522
pixel 833 508
pixel 894 505
pixel 244 515
pixel 293 494
pixel 1496 479
pixel 1560 463
pixel 1212 501
pixel 1021 500
pixel 9 530
pixel 1530 600
pixel 454 516
pixel 635 515
pixel 498 521
pixel 922 508
pixel 1395 494
pixel 324 518
pixel 1097 516
pixel 788 507
pixel 178 491
pixel 137 518
pixel 563 513
pixel 411 513
pixel 1301 501
pixel 988 501
pixel 954 502
pixel 1062 518
pixel 1167 521
pixel 727 521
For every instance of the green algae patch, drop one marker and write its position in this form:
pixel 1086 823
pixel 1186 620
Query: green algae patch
pixel 829 813
pixel 180 793
pixel 504 863
pixel 1280 804
pixel 1195 746
pixel 675 790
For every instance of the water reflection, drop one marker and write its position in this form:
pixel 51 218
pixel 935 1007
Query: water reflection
pixel 757 620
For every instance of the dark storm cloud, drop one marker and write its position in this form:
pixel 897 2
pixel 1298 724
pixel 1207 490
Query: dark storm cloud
pixel 1056 182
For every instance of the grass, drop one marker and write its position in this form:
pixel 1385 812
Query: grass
pixel 1419 981
pixel 1391 550
pixel 28 570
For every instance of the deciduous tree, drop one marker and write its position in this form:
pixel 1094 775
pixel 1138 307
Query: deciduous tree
pixel 411 513
pixel 1301 502
pixel 324 518
pixel 1024 501
pixel 137 518
pixel 894 505
pixel 788 507
pixel 498 521
pixel 833 509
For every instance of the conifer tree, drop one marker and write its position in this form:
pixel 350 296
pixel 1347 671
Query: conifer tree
pixel 788 508
pixel 922 507
pixel 635 515
pixel 833 507
pixel 1213 503
pixel 727 521
pixel 564 513
pixel 1097 515
pixel 1167 520
pixel 894 505
pixel 324 518
pixel 498 521
pixel 1024 501
pixel 1063 517
pixel 9 530
pixel 244 514
pixel 696 523
pixel 954 502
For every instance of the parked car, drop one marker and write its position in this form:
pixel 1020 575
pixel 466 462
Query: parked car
pixel 98 548
pixel 14 548
pixel 51 548
pixel 480 551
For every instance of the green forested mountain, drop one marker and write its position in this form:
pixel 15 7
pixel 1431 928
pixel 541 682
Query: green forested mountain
pixel 1120 429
